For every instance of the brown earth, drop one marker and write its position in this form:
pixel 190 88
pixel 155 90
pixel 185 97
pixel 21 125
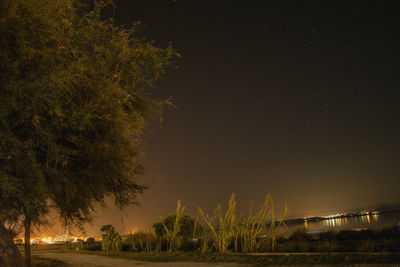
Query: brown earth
pixel 85 260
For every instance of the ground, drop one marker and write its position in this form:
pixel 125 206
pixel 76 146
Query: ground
pixel 85 260
pixel 48 256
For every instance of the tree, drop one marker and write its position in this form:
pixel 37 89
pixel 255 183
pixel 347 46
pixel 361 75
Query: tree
pixel 73 108
pixel 188 229
pixel 10 254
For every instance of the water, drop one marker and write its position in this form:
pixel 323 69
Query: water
pixel 371 221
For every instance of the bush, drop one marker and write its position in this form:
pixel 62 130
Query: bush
pixel 111 239
pixel 178 229
pixel 141 241
pixel 300 234
pixel 188 227
pixel 366 246
pixel 90 244
pixel 326 246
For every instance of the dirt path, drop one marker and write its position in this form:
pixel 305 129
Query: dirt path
pixel 84 260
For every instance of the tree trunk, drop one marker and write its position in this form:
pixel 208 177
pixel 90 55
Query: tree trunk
pixel 9 253
pixel 27 225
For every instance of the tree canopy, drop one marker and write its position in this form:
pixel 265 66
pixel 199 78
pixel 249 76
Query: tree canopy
pixel 73 107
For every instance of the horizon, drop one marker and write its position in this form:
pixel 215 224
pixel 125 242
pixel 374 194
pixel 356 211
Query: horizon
pixel 58 230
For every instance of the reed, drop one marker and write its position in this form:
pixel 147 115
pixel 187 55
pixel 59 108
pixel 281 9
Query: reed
pixel 273 230
pixel 226 229
pixel 141 241
pixel 195 236
pixel 205 240
pixel 111 242
pixel 173 239
pixel 255 224
pixel 221 226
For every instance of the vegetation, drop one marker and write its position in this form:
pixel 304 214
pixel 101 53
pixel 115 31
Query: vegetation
pixel 255 232
pixel 10 256
pixel 225 226
pixel 250 236
pixel 385 240
pixel 89 245
pixel 220 233
pixel 189 227
pixel 178 229
pixel 111 240
pixel 246 233
pixel 346 241
pixel 174 239
pixel 141 241
pixel 72 109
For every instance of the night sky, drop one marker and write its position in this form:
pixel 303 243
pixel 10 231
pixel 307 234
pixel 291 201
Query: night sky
pixel 296 97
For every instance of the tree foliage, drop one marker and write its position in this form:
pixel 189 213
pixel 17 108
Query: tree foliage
pixel 73 108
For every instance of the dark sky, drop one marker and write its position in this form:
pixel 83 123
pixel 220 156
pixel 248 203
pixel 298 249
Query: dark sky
pixel 296 97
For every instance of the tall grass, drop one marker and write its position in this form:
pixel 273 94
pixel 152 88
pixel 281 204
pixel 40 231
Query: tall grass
pixel 273 230
pixel 244 233
pixel 255 224
pixel 195 236
pixel 222 227
pixel 141 241
pixel 111 242
pixel 173 239
pixel 223 231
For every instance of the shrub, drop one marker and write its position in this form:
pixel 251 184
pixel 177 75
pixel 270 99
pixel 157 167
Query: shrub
pixel 188 229
pixel 111 239
pixel 366 246
pixel 141 241
pixel 92 245
pixel 300 234
pixel 178 229
pixel 326 246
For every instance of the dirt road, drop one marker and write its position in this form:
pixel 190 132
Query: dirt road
pixel 84 260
